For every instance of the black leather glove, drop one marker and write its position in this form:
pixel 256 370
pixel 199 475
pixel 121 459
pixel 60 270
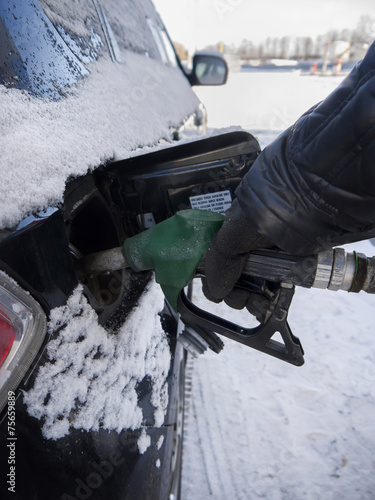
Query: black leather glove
pixel 256 303
pixel 226 257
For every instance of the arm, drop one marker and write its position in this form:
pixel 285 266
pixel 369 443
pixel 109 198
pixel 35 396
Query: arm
pixel 314 187
pixel 311 189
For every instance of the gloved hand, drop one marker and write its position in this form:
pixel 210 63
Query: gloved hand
pixel 226 257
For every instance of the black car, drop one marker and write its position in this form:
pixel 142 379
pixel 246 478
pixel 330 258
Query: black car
pixel 91 372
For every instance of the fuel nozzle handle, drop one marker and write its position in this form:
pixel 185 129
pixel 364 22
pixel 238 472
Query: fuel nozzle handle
pixel 174 249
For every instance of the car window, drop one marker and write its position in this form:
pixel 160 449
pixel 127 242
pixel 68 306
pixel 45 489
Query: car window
pixel 34 58
pixel 140 30
pixel 168 48
pixel 122 25
pixel 64 37
pixel 79 26
pixel 129 24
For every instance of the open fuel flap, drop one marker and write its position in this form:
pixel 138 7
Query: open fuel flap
pixel 122 198
pixel 137 193
pixel 202 174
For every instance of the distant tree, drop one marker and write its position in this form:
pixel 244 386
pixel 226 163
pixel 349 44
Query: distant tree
pixel 261 51
pixel 275 51
pixel 230 49
pixel 181 50
pixel 214 46
pixel 319 46
pixel 285 47
pixel 302 48
pixel 299 48
pixel 308 47
pixel 246 50
pixel 345 35
pixel 365 31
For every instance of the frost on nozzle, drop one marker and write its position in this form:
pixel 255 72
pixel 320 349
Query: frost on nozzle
pixel 91 377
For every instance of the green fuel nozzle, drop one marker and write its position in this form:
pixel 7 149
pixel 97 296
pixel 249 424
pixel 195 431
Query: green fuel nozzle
pixel 173 249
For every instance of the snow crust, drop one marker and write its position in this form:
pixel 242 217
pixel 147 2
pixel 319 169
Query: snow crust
pixel 144 442
pixel 91 377
pixel 115 111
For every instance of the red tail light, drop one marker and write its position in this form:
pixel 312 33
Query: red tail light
pixel 7 336
pixel 22 331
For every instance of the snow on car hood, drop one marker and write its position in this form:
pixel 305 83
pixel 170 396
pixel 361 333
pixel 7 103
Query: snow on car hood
pixel 91 378
pixel 118 109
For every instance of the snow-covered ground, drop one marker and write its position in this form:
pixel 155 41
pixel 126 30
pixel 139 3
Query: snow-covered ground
pixel 260 428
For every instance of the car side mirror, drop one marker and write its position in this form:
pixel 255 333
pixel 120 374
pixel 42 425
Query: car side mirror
pixel 209 68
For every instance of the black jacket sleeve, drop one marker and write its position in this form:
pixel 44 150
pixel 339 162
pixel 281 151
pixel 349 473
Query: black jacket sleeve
pixel 314 186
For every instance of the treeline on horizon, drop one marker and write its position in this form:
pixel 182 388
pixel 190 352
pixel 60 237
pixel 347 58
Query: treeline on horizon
pixel 336 44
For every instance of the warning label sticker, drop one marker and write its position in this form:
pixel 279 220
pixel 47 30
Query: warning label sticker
pixel 216 202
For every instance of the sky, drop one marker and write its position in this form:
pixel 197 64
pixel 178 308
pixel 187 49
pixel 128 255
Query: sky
pixel 196 23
